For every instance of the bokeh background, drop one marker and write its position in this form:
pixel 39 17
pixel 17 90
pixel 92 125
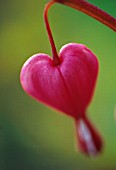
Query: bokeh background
pixel 33 137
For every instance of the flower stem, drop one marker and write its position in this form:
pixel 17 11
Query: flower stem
pixel 83 6
pixel 54 51
pixel 91 10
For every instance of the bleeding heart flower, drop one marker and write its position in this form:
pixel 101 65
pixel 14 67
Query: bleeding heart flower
pixel 67 87
pixel 66 82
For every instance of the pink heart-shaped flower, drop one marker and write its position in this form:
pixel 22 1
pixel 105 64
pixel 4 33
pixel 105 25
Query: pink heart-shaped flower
pixel 67 87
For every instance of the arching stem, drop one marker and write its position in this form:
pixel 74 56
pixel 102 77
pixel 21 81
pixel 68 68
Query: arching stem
pixel 91 10
pixel 83 6
pixel 54 51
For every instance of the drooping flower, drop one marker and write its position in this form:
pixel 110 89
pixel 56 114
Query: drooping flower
pixel 67 87
pixel 66 82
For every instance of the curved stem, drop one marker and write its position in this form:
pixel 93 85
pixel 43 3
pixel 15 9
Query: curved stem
pixel 54 51
pixel 91 10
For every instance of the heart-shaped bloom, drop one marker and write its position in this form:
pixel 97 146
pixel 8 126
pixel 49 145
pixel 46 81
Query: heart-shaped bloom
pixel 67 87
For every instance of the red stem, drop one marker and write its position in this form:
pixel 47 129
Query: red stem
pixel 83 6
pixel 91 10
pixel 54 51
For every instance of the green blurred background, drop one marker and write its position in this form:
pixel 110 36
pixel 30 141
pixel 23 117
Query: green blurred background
pixel 33 137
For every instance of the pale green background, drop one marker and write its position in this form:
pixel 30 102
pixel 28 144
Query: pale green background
pixel 33 137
